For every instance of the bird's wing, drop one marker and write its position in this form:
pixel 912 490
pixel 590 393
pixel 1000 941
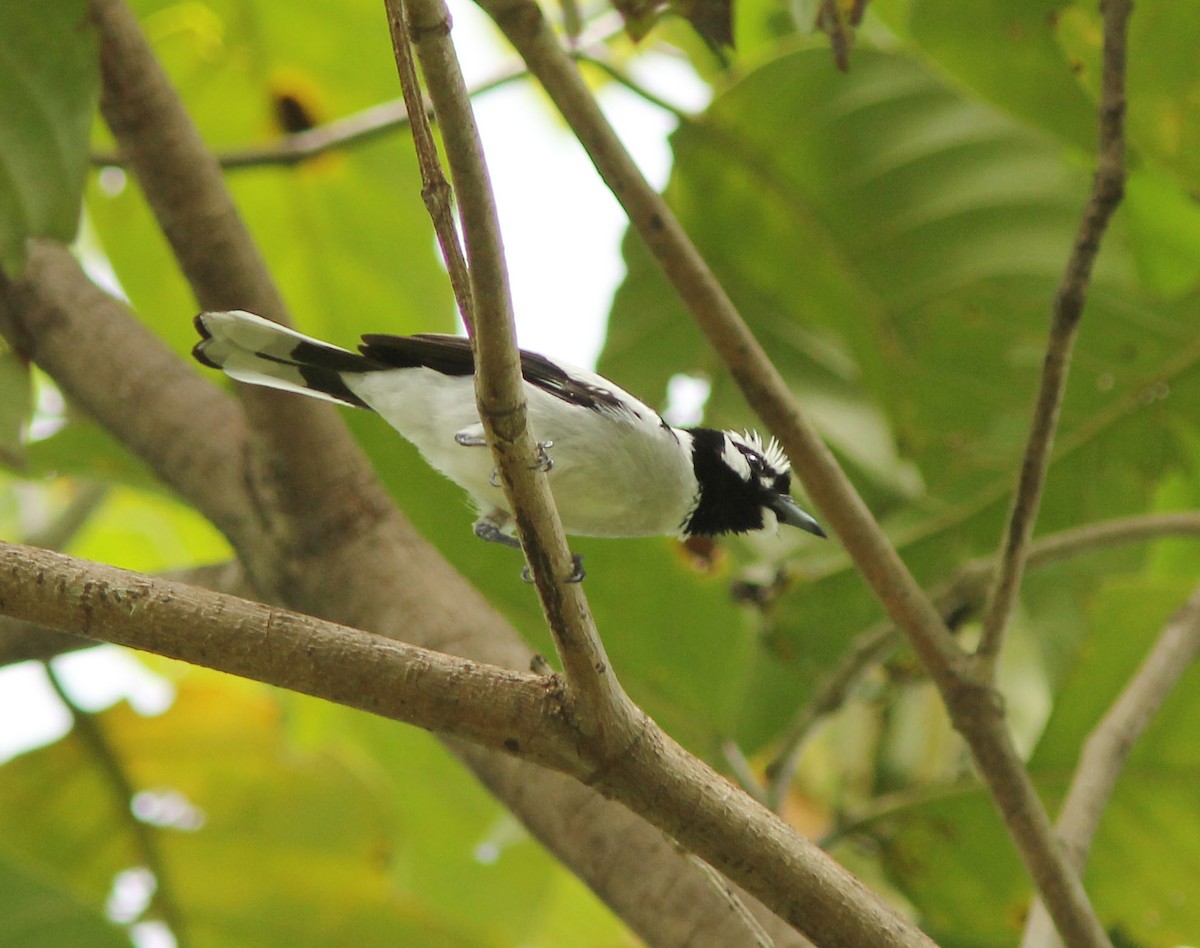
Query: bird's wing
pixel 451 355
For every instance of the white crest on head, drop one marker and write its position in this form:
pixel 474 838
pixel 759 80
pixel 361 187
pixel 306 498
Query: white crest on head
pixel 733 457
pixel 771 451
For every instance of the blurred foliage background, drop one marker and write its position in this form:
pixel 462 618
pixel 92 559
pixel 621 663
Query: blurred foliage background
pixel 894 235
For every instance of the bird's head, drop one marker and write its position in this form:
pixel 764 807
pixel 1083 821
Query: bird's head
pixel 743 485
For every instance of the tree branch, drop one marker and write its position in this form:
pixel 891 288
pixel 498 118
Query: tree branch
pixel 524 714
pixel 302 464
pixel 190 433
pixel 1109 744
pixel 28 641
pixel 435 190
pixel 605 714
pixel 358 128
pixel 1108 187
pixel 518 712
pixel 972 702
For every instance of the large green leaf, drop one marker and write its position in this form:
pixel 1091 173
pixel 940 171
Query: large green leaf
pixel 896 245
pixel 49 74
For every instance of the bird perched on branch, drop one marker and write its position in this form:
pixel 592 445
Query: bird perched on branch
pixel 616 468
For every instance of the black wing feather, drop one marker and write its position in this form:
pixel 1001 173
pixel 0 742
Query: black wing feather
pixel 452 355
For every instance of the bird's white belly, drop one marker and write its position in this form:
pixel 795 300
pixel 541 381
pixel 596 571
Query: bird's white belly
pixel 611 476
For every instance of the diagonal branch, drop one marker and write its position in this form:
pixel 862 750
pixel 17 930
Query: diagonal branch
pixel 972 702
pixel 1108 187
pixel 605 713
pixel 1108 746
pixel 963 594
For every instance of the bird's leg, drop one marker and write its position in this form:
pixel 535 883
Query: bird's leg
pixel 541 460
pixel 488 528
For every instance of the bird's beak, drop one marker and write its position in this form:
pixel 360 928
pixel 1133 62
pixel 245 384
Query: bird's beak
pixel 789 512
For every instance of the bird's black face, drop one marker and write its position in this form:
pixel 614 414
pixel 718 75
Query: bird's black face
pixel 744 486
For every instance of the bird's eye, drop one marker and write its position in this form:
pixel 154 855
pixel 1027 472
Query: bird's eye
pixel 756 462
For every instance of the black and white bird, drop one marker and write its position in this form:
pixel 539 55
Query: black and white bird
pixel 616 468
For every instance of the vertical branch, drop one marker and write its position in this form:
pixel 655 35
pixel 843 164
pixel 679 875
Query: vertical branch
pixel 435 191
pixel 1108 187
pixel 605 713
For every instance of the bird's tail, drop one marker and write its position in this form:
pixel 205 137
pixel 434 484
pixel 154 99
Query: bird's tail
pixel 255 350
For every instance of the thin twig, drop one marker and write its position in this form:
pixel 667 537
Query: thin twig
pixel 605 713
pixel 435 191
pixel 358 128
pixel 1107 748
pixel 740 767
pixel 1108 186
pixel 972 702
pixel 726 893
pixel 963 593
pixel 145 841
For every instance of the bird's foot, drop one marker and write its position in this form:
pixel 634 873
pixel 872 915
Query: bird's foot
pixel 542 460
pixel 577 571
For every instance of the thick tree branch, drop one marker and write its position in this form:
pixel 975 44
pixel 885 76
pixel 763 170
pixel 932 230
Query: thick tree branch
pixel 520 712
pixel 1107 189
pixel 302 464
pixel 1108 747
pixel 605 713
pixel 190 433
pixel 516 711
pixel 972 702
pixel 28 641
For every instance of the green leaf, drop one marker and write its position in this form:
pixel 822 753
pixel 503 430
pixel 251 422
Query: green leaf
pixel 38 914
pixel 260 845
pixel 896 246
pixel 50 74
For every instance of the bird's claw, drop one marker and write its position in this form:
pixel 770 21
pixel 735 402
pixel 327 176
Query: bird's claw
pixel 542 460
pixel 577 571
